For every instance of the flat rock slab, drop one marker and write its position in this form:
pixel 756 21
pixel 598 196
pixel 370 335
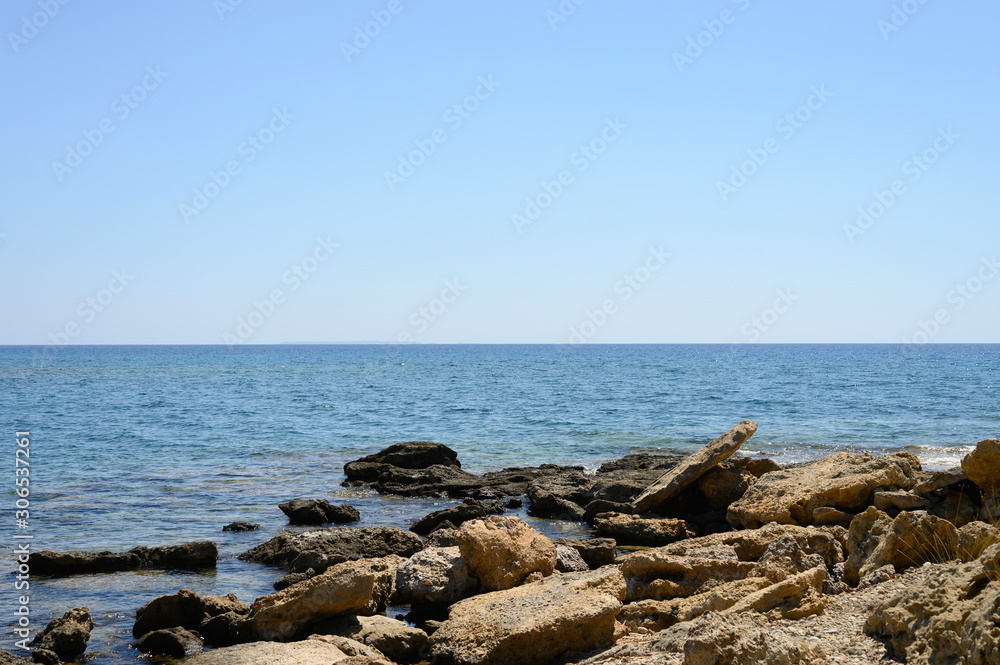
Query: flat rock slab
pixel 201 554
pixel 306 652
pixel 694 466
pixel 338 544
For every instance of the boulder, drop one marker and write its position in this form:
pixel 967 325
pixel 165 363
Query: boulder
pixel 975 538
pixel 982 466
pixel 899 500
pixel 532 623
pixel 635 530
pixel 470 509
pixel 656 615
pixel 935 480
pixel 408 455
pixel 794 597
pixel 393 638
pixel 948 618
pixel 654 574
pixel 725 484
pixel 353 587
pixel 568 560
pixel 66 636
pixel 337 544
pixel 306 652
pixel 827 515
pixel 560 497
pixel 503 551
pixel 959 507
pixel 723 639
pixel 876 540
pixel 184 609
pixel 694 466
pixel 751 544
pixel 241 526
pixel 201 554
pixel 596 552
pixel 173 642
pixel 364 654
pixel 318 511
pixel 845 481
pixel 435 575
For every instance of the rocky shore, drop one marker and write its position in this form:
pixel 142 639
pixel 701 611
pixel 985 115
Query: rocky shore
pixel 703 559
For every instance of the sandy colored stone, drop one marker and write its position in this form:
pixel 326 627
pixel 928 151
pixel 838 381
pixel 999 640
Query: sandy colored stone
pixel 900 500
pixel 503 551
pixel 791 598
pixel 876 540
pixel 657 575
pixel 659 614
pixel 635 530
pixel 929 481
pixel 751 544
pixel 982 465
pixel 306 652
pixel 434 575
pixel 395 639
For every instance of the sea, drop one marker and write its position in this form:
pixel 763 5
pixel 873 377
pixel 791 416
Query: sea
pixel 156 445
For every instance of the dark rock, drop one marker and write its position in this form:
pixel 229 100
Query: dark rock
pixel 596 552
pixel 513 502
pixel 241 526
pixel 409 455
pixel 45 657
pixel 595 508
pixel 318 511
pixel 184 609
pixel 561 496
pixel 443 537
pixel 294 578
pixel 67 636
pixel 202 554
pixel 568 560
pixel 470 509
pixel 226 629
pixel 173 642
pixel 7 658
pixel 724 484
pixel 642 462
pixel 338 544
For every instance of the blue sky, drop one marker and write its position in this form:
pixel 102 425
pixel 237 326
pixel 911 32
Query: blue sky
pixel 697 170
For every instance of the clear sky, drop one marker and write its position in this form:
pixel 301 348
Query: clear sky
pixel 262 172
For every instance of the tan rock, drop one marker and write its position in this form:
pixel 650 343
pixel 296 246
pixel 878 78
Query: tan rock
pixel 751 544
pixel 792 598
pixel 395 639
pixel 306 652
pixel 900 500
pixel 928 481
pixel 352 587
pixel 533 623
pixel 435 575
pixel 975 538
pixel 982 465
pixel 827 515
pixel 876 540
pixel 693 467
pixel 503 551
pixel 351 647
pixel 636 530
pixel 725 484
pixel 845 481
pixel 657 575
pixel 659 614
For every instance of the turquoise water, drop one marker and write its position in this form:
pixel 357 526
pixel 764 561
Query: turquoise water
pixel 153 445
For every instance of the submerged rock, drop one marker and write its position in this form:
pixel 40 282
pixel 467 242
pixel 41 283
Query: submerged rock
pixel 318 511
pixel 241 526
pixel 173 642
pixel 66 636
pixel 201 554
pixel 184 609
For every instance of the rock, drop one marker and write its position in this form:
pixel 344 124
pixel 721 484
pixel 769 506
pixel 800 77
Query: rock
pixel 7 658
pixel 503 551
pixel 959 508
pixel 794 597
pixel 443 537
pixel 982 466
pixel 935 480
pixel 877 576
pixel 845 481
pixel 45 657
pixel 66 636
pixel 241 526
pixel 337 544
pixel 201 554
pixel 694 466
pixel 948 618
pixel 455 516
pixel 568 560
pixel 635 530
pixel 827 515
pixel 723 639
pixel 560 497
pixel 785 556
pixel 434 575
pixel 642 462
pixel 409 455
pixel 751 544
pixel 355 587
pixel 318 511
pixel 876 540
pixel 294 578
pixel 184 609
pixel 393 638
pixel 975 538
pixel 306 652
pixel 654 574
pixel 725 484
pixel 899 500
pixel 353 648
pixel 173 642
pixel 570 612
pixel 596 552
pixel 656 615
pixel 758 466
pixel 598 506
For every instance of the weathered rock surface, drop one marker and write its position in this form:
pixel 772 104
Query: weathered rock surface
pixel 365 655
pixel 337 544
pixel 792 598
pixel 568 560
pixel 694 466
pixel 407 455
pixel 503 551
pixel 241 526
pixel 725 484
pixel 751 544
pixel 202 554
pixel 635 530
pixel 306 652
pixel 656 615
pixel 173 642
pixel 596 552
pixel 393 638
pixel 900 500
pixel 353 587
pixel 935 480
pixel 982 466
pixel 975 538
pixel 66 636
pixel 434 575
pixel 950 618
pixel 726 639
pixel 560 497
pixel 184 609
pixel 470 509
pixel 845 481
pixel 655 574
pixel 532 623
pixel 876 540
pixel 318 511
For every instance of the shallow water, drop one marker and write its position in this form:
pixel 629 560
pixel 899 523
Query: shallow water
pixel 156 445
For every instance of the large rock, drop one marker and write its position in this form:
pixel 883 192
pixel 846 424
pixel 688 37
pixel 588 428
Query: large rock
pixel 503 551
pixel 794 597
pixel 635 530
pixel 353 587
pixel 845 481
pixel 725 484
pixel 568 560
pixel 596 552
pixel 533 623
pixel 656 615
pixel 436 575
pixel 66 636
pixel 397 640
pixel 470 509
pixel 173 642
pixel 948 618
pixel 202 554
pixel 751 544
pixel 982 466
pixel 184 609
pixel 337 544
pixel 654 574
pixel 935 480
pixel 408 455
pixel 694 466
pixel 560 497
pixel 876 540
pixel 318 511
pixel 306 652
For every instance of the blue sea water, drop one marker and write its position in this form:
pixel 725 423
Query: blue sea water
pixel 148 445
